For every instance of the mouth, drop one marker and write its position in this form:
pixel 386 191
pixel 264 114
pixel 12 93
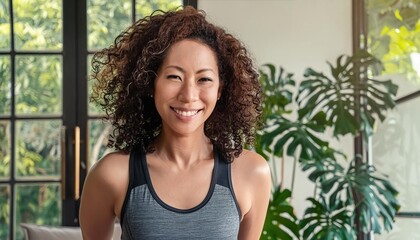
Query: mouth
pixel 186 113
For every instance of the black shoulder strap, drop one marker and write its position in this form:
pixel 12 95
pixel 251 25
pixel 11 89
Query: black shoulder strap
pixel 223 169
pixel 139 177
pixel 135 177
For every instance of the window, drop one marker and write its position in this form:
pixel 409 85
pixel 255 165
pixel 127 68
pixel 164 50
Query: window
pixel 49 134
pixel 396 153
pixel 393 36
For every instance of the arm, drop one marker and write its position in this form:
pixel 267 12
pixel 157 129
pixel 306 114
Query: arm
pixel 258 190
pixel 102 191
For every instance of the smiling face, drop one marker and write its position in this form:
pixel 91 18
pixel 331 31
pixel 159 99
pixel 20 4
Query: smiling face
pixel 187 87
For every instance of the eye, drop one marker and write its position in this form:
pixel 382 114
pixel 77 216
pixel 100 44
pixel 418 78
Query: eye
pixel 174 77
pixel 205 79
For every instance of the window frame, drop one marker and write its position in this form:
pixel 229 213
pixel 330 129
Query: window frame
pixel 360 32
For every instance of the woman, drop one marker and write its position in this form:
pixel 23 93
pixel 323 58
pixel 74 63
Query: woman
pixel 184 99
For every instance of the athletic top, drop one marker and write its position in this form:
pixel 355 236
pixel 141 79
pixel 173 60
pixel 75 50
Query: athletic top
pixel 145 216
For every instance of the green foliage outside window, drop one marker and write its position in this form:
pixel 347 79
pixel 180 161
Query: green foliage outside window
pixel 37 203
pixel 394 35
pixel 4 26
pixel 5 85
pixel 4 211
pixel 146 7
pixel 38 85
pixel 38 25
pixel 107 19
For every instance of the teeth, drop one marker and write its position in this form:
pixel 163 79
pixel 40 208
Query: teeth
pixel 186 113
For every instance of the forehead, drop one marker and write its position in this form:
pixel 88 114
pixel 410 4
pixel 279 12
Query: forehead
pixel 190 52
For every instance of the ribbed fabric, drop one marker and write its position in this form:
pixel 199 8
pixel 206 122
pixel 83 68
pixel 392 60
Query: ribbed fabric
pixel 145 216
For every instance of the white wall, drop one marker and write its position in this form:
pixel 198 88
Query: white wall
pixel 294 34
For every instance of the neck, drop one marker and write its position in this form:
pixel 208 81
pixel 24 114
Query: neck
pixel 183 151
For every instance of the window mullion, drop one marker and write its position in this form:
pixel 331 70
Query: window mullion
pixel 70 28
pixel 12 123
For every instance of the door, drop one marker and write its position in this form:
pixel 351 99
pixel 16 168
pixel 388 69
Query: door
pixel 31 113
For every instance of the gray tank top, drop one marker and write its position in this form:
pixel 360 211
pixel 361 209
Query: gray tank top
pixel 145 216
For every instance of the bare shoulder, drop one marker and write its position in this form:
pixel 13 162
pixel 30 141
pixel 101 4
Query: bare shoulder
pixel 112 164
pixel 251 180
pixel 103 193
pixel 251 163
pixel 251 177
pixel 110 174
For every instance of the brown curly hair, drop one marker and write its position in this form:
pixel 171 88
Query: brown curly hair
pixel 125 74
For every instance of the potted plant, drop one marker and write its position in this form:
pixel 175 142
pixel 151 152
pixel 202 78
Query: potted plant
pixel 349 198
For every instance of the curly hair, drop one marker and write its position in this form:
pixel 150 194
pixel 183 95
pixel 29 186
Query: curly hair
pixel 125 72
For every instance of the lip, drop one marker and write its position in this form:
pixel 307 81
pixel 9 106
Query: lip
pixel 186 113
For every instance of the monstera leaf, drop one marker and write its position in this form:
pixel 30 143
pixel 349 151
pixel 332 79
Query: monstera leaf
pixel 281 222
pixel 378 199
pixel 282 134
pixel 377 195
pixel 331 221
pixel 338 96
pixel 277 94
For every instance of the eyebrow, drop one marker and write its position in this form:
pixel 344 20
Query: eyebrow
pixel 183 71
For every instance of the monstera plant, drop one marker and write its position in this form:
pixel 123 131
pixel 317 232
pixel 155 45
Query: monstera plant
pixel 281 221
pixel 347 101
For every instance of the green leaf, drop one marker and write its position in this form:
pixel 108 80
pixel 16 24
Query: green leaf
pixel 281 222
pixel 321 221
pixel 276 90
pixel 335 96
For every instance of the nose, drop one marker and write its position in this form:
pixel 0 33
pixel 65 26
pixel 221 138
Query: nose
pixel 189 92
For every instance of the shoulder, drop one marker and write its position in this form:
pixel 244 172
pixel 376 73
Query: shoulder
pixel 109 174
pixel 112 166
pixel 250 163
pixel 103 192
pixel 114 161
pixel 251 180
pixel 251 175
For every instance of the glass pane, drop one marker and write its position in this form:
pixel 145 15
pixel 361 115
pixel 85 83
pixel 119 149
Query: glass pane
pixel 38 25
pixel 106 20
pixel 394 38
pixel 4 211
pixel 5 87
pixel 404 228
pixel 98 139
pixel 4 27
pixel 38 204
pixel 4 151
pixel 145 8
pixel 38 148
pixel 38 84
pixel 396 152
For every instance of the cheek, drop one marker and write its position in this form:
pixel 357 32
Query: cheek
pixel 160 96
pixel 210 96
pixel 165 90
pixel 213 93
